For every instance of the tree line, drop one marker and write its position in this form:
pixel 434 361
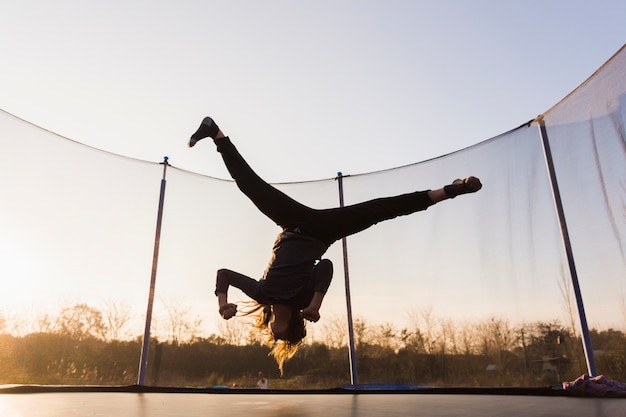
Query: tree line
pixel 83 345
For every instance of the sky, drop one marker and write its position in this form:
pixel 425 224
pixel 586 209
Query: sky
pixel 351 86
pixel 306 89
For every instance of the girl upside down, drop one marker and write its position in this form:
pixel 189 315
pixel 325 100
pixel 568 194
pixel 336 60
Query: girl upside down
pixel 296 278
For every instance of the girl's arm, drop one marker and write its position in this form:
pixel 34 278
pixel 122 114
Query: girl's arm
pixel 227 310
pixel 226 278
pixel 312 311
pixel 323 275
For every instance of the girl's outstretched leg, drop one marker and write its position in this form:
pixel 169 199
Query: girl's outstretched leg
pixel 275 204
pixel 333 224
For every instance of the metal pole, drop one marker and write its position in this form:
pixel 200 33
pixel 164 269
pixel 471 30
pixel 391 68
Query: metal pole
pixel 591 363
pixel 143 362
pixel 352 351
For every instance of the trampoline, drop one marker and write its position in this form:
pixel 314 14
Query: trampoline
pixel 512 252
pixel 135 401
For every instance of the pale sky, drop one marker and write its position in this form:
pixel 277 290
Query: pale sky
pixel 326 82
pixel 306 89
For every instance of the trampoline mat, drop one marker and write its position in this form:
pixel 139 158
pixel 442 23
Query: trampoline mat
pixel 74 403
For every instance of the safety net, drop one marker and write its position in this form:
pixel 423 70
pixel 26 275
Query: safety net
pixel 474 291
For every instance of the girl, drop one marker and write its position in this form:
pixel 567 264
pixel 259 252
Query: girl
pixel 296 278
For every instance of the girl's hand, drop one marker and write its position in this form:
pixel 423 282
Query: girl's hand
pixel 311 314
pixel 228 310
pixel 312 311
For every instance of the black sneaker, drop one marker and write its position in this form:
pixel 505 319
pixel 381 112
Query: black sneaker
pixel 207 129
pixel 458 187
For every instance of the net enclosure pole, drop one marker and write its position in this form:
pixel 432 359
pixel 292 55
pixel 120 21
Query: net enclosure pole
pixel 143 362
pixel 591 363
pixel 344 243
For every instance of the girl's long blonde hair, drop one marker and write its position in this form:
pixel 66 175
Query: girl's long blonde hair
pixel 281 349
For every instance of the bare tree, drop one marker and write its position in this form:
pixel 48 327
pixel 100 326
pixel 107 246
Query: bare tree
pixel 386 336
pixel 448 337
pixel 80 321
pixel 362 336
pixel 43 323
pixel 237 332
pixel 467 338
pixel 180 327
pixel 496 338
pixel 335 332
pixel 424 332
pixel 116 317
